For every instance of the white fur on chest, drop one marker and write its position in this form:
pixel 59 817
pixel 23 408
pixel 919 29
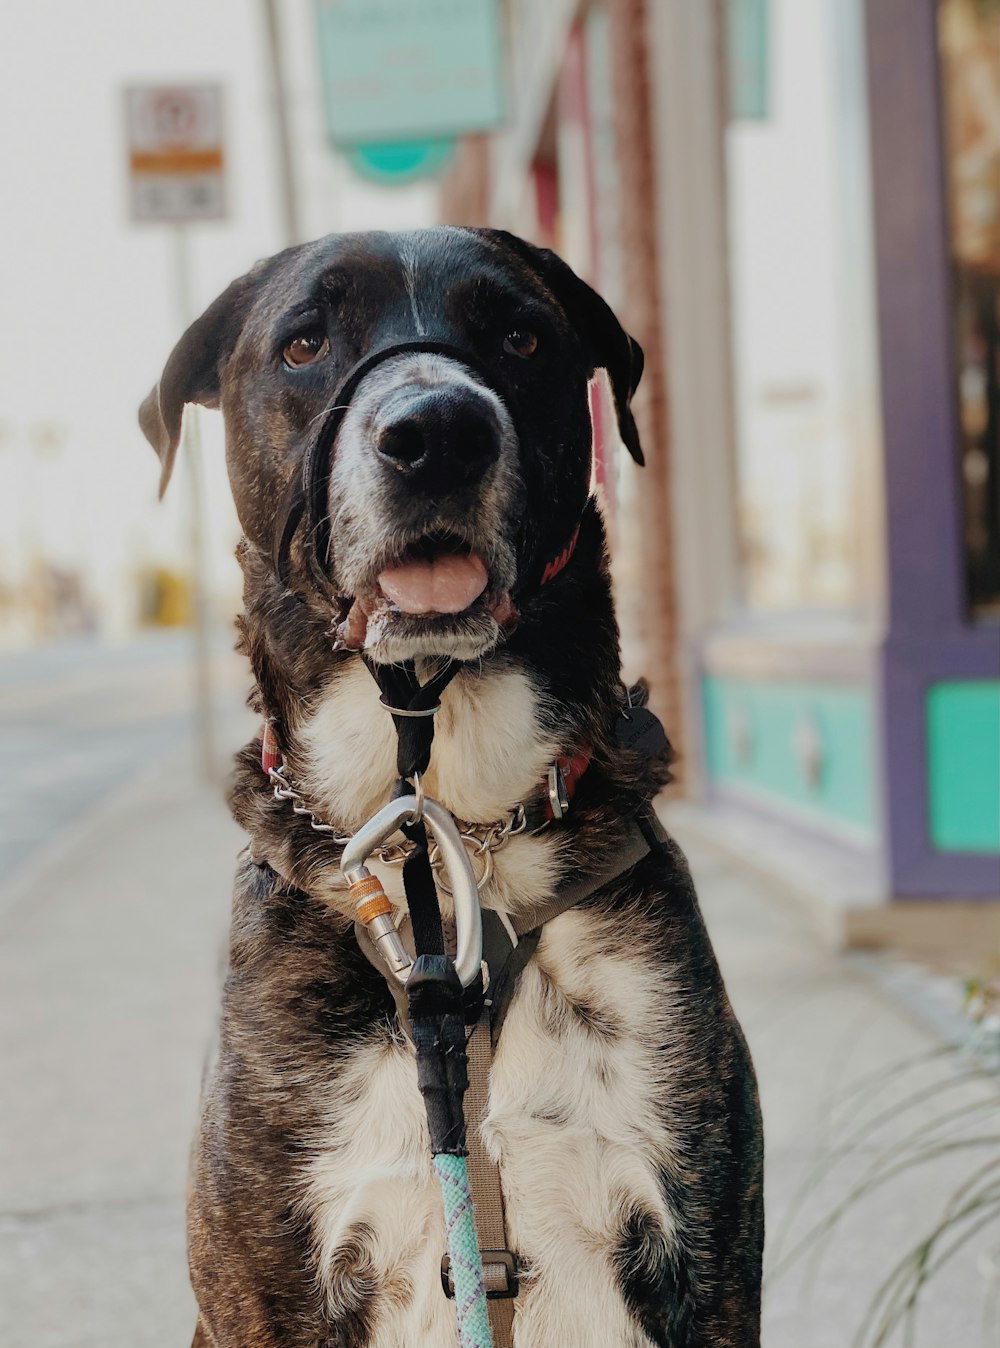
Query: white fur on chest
pixel 572 1122
pixel 489 751
pixel 489 754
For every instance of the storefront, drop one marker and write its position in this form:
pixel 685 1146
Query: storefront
pixel 854 697
pixel 797 210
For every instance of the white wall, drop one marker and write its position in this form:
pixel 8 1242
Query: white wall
pixel 803 317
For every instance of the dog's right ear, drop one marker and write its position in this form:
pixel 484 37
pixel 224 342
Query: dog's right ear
pixel 191 374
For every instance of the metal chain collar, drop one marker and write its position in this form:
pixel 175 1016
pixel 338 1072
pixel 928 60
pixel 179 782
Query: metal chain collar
pixel 482 840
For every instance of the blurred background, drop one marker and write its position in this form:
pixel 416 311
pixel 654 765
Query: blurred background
pixel 794 205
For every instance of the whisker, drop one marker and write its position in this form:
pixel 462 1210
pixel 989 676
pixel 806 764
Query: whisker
pixel 334 407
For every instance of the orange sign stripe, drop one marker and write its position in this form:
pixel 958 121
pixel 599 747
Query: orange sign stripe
pixel 177 161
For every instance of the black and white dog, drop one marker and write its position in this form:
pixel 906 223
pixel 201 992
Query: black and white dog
pixel 454 521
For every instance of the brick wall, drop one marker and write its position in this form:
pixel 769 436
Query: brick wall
pixel 643 564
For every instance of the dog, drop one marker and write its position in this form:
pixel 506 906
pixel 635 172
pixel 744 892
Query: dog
pixel 449 517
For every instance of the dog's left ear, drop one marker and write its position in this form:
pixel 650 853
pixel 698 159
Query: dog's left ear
pixel 191 374
pixel 610 346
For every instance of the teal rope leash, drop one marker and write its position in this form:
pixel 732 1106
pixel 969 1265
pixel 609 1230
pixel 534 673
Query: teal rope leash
pixel 463 1251
pixel 438 1021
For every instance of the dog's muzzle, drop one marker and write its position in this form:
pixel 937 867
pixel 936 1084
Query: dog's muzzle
pixel 433 435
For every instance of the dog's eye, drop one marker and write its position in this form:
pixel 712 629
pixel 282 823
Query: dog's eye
pixel 305 349
pixel 520 342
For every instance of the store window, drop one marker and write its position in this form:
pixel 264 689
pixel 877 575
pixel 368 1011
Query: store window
pixel 969 34
pixel 803 327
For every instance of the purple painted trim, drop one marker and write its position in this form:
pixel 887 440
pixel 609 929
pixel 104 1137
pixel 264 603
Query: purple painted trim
pixel 923 538
pixel 908 671
pixel 929 638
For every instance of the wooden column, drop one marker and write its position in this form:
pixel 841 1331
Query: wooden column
pixel 645 565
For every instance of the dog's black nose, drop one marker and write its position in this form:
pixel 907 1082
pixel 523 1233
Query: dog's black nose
pixel 441 437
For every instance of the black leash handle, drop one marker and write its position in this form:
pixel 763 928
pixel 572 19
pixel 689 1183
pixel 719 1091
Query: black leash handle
pixel 438 1021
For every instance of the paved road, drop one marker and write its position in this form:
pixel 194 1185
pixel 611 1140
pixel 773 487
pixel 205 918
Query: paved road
pixel 116 860
pixel 79 718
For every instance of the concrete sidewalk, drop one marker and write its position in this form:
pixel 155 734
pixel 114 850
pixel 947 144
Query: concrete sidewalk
pixel 854 1081
pixel 110 967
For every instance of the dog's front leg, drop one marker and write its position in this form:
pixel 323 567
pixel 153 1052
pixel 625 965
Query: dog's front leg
pixel 249 1267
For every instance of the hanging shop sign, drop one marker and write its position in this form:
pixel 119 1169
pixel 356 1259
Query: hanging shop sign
pixel 397 70
pixel 396 162
pixel 176 154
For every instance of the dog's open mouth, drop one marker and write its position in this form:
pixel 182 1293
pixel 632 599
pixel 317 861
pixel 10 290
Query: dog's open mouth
pixel 438 584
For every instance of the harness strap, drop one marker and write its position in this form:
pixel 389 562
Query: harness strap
pixel 500 1264
pixel 641 835
pixel 505 962
pixel 505 959
pixel 450 1063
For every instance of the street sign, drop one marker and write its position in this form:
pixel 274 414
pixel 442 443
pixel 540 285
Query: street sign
pixel 409 69
pixel 175 152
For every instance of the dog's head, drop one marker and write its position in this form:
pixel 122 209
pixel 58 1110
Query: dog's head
pixel 424 490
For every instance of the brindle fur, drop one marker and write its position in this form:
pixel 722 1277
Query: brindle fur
pixel 300 999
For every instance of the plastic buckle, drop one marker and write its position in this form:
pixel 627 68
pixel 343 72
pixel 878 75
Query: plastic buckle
pixel 507 1259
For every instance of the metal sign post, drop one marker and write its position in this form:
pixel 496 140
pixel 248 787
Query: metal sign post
pixel 176 177
pixel 191 449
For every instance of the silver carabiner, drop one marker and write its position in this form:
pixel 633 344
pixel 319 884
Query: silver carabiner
pixel 374 909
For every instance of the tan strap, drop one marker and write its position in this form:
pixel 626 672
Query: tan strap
pixel 484 1179
pixel 635 843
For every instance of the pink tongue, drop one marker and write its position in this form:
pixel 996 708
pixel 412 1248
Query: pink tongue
pixel 446 585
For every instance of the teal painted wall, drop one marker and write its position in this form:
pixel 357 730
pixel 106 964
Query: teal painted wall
pixel 963 765
pixel 810 745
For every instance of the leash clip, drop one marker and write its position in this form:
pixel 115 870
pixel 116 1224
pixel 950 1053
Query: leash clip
pixel 372 906
pixel 419 797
